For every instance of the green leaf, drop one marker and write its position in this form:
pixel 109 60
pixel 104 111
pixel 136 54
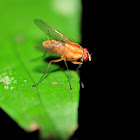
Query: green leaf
pixel 50 106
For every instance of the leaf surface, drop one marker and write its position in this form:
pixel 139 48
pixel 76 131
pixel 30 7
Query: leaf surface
pixel 50 107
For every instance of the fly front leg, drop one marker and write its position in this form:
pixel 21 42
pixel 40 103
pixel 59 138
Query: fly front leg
pixel 75 62
pixel 52 61
pixel 80 64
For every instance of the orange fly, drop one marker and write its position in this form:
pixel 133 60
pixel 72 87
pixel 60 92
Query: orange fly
pixel 62 46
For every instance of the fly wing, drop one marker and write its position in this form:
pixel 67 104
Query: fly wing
pixel 50 31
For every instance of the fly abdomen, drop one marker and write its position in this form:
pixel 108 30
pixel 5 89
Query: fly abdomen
pixel 54 46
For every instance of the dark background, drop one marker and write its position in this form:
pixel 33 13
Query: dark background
pixel 95 111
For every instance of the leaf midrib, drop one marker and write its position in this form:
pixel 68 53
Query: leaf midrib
pixel 37 91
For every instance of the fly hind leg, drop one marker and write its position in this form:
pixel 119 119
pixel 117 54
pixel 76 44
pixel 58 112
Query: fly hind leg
pixel 52 61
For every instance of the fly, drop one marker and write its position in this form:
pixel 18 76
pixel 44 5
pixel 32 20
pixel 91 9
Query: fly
pixel 62 46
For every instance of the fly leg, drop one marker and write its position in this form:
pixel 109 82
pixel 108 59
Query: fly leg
pixel 80 64
pixel 35 59
pixel 68 73
pixel 52 61
pixel 44 53
pixel 75 62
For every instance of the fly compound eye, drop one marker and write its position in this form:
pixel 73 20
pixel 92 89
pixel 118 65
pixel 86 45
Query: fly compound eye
pixel 86 54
